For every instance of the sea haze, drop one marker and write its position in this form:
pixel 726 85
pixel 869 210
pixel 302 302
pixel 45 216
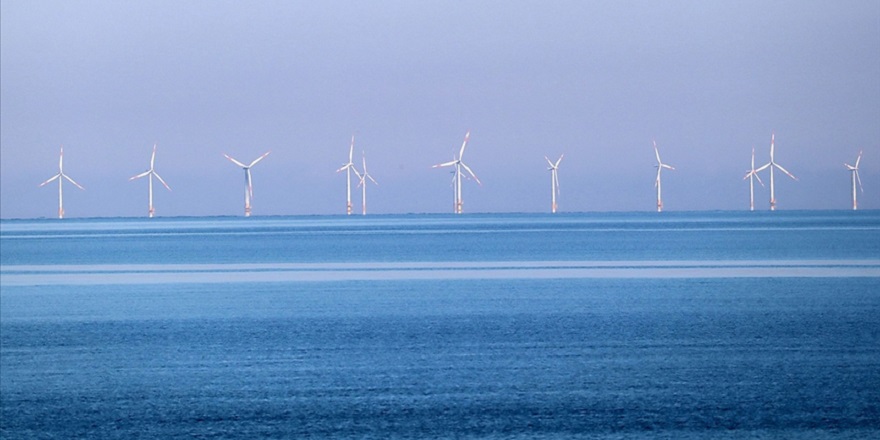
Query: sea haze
pixel 688 325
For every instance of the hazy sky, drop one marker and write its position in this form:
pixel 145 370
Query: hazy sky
pixel 594 80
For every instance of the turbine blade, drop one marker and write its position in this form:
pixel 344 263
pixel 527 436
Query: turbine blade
pixel 764 167
pixel 670 167
pixel 371 178
pixel 656 151
pixel 472 173
pixel 858 159
pixel 351 150
pixel 61 160
pixel 235 161
pixel 72 181
pixel 344 167
pixel 464 144
pixel 785 171
pixel 759 179
pixel 444 164
pixel 140 175
pixel 772 144
pixel 556 179
pixel 161 180
pixel 556 165
pixel 250 184
pixel 259 159
pixel 51 179
pixel 859 179
pixel 549 162
pixel 153 157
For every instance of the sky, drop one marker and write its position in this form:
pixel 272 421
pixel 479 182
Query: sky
pixel 596 81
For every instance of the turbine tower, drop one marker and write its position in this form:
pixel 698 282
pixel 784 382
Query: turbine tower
pixel 752 175
pixel 772 164
pixel 458 164
pixel 61 176
pixel 151 173
pixel 363 184
pixel 660 165
pixel 248 183
pixel 854 170
pixel 554 181
pixel 348 168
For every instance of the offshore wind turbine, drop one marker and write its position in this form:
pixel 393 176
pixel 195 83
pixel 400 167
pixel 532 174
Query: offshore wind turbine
pixel 248 183
pixel 772 164
pixel 61 176
pixel 752 175
pixel 348 168
pixel 363 184
pixel 660 165
pixel 554 181
pixel 151 173
pixel 458 164
pixel 854 169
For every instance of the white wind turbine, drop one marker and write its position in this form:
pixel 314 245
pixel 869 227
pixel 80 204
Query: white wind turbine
pixel 660 165
pixel 363 184
pixel 458 164
pixel 248 183
pixel 151 173
pixel 61 176
pixel 854 169
pixel 772 164
pixel 752 175
pixel 348 168
pixel 554 181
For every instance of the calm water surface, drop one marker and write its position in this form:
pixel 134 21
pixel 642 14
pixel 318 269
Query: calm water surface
pixel 695 325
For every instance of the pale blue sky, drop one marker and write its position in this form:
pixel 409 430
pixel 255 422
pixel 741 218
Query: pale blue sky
pixel 594 80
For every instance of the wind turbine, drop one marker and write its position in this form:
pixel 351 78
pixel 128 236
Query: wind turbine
pixel 248 184
pixel 554 181
pixel 61 176
pixel 752 175
pixel 458 164
pixel 773 164
pixel 854 169
pixel 660 165
pixel 363 184
pixel 348 168
pixel 151 173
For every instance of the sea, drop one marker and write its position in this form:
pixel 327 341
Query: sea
pixel 693 325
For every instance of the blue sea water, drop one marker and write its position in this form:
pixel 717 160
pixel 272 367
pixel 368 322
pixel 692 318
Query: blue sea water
pixel 618 325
